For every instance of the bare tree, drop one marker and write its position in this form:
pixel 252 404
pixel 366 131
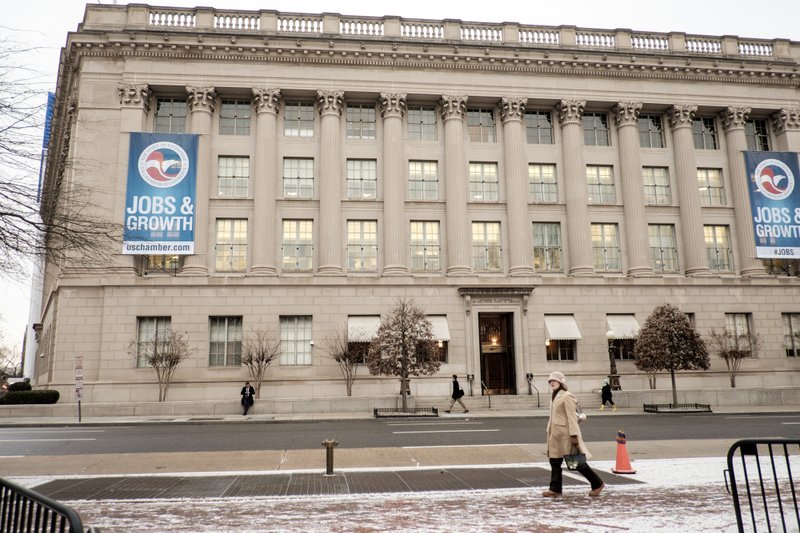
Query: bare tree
pixel 733 349
pixel 164 354
pixel 259 349
pixel 339 348
pixel 10 363
pixel 404 345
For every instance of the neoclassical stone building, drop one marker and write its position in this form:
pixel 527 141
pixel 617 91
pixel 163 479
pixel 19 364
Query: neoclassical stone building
pixel 538 190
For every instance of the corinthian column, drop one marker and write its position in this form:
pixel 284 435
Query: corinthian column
pixel 459 245
pixel 267 104
pixel 626 116
pixel 201 107
pixel 787 129
pixel 578 227
pixel 330 104
pixel 393 108
pixel 512 112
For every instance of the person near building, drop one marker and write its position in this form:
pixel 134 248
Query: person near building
pixel 458 392
pixel 605 396
pixel 248 397
pixel 564 437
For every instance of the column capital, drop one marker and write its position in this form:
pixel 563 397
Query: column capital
pixel 570 111
pixel 733 118
pixel 513 109
pixel 453 106
pixel 201 98
pixel 392 105
pixel 330 102
pixel 626 113
pixel 136 95
pixel 267 100
pixel 682 115
pixel 786 119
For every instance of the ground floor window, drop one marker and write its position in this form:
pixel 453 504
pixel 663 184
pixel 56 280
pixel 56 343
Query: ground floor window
pixel 225 341
pixel 561 350
pixel 622 349
pixel 150 331
pixel 295 340
pixel 791 334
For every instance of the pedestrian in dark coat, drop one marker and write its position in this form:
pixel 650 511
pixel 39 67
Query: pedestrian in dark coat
pixel 248 397
pixel 605 396
pixel 458 392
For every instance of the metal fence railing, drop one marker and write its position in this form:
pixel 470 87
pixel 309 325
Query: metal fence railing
pixel 764 477
pixel 22 509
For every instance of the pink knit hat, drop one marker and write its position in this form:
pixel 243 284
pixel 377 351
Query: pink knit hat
pixel 557 376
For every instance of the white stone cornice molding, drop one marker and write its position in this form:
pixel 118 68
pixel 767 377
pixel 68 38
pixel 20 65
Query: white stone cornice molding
pixel 135 95
pixel 626 113
pixel 330 102
pixel 786 119
pixel 512 108
pixel 392 105
pixel 733 118
pixel 570 111
pixel 681 116
pixel 267 100
pixel 453 107
pixel 201 98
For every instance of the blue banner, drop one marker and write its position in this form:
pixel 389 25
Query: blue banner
pixel 160 200
pixel 774 203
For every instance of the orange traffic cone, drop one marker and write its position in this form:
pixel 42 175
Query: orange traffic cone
pixel 623 465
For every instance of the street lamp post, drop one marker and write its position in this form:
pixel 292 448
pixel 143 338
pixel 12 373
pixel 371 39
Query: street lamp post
pixel 613 377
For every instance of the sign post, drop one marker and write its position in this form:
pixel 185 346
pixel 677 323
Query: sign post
pixel 79 382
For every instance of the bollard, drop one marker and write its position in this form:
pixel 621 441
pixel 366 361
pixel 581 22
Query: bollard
pixel 329 446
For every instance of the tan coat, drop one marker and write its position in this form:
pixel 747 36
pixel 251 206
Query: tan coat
pixel 563 423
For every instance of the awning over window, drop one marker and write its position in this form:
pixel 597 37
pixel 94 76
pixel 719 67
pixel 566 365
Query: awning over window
pixel 362 328
pixel 562 327
pixel 623 326
pixel 440 330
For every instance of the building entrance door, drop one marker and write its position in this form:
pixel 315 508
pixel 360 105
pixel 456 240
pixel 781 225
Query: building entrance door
pixel 497 353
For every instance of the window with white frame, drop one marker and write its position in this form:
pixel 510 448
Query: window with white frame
pixel 233 176
pixel 295 340
pixel 487 251
pixel 151 334
pixel 704 132
pixel 539 127
pixel 298 119
pixel 297 245
pixel 547 251
pixel 663 252
pixel 484 182
pixel 791 334
pixel 757 135
pixel 561 349
pixel 718 248
pixel 360 121
pixel 542 185
pixel 480 125
pixel 656 186
pixel 595 129
pixel 231 247
pixel 362 245
pixel 298 177
pixel 651 131
pixel 711 186
pixel 737 325
pixel 170 115
pixel 234 117
pixel 425 246
pixel 605 247
pixel 423 180
pixel 225 341
pixel 600 184
pixel 362 179
pixel 421 123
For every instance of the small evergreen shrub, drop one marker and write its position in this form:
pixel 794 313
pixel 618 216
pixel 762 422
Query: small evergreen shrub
pixel 30 397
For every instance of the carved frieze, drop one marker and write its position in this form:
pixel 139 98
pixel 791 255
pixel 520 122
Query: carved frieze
pixel 393 105
pixel 734 117
pixel 135 95
pixel 786 119
pixel 330 102
pixel 681 116
pixel 453 107
pixel 201 98
pixel 267 100
pixel 626 113
pixel 513 108
pixel 570 111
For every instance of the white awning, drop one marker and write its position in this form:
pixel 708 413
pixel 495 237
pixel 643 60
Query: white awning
pixel 562 327
pixel 440 330
pixel 623 326
pixel 362 328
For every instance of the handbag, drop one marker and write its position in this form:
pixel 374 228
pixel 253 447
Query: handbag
pixel 575 460
pixel 580 414
pixel 459 393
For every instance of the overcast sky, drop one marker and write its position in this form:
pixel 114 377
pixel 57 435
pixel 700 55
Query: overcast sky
pixel 45 23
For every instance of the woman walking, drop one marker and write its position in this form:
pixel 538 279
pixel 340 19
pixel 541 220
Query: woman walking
pixel 564 437
pixel 605 396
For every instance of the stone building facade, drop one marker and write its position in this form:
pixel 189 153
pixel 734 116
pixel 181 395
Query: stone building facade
pixel 538 190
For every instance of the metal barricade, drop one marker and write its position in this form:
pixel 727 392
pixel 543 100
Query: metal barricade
pixel 764 479
pixel 22 509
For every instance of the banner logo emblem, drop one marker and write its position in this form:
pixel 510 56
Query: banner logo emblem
pixel 163 164
pixel 774 179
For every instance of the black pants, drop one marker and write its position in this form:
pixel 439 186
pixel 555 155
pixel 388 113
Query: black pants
pixel 608 400
pixel 585 470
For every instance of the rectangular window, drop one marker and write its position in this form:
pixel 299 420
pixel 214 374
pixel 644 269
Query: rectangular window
pixel 480 124
pixel 298 247
pixel 542 187
pixel 362 179
pixel 295 340
pixel 622 349
pixel 595 129
pixel 791 334
pixel 170 115
pixel 757 134
pixel 362 245
pixel 225 341
pixel 782 267
pixel 711 186
pixel 151 332
pixel 718 248
pixel 487 251
pixel 231 247
pixel 561 349
pixel 547 247
pixel 162 263
pixel 600 184
pixel 484 185
pixel 423 180
pixel 298 178
pixel 234 117
pixel 651 131
pixel 656 186
pixel 298 120
pixel 425 247
pixel 360 122
pixel 704 132
pixel 421 123
pixel 605 245
pixel 440 351
pixel 233 177
pixel 539 127
pixel 663 252
pixel 737 325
